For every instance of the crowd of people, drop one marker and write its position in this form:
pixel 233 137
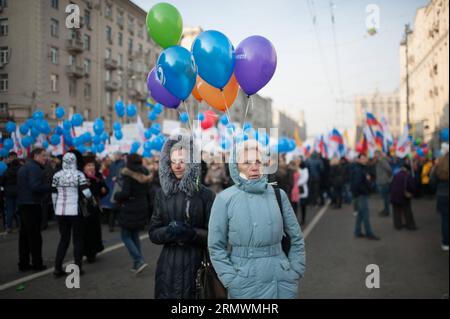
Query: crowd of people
pixel 230 213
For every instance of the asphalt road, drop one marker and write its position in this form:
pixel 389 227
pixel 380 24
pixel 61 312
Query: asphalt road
pixel 411 263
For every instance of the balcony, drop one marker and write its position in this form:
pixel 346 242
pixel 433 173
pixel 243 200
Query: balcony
pixel 111 85
pixel 75 72
pixel 111 64
pixel 74 46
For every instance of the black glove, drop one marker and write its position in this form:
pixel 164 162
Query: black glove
pixel 180 231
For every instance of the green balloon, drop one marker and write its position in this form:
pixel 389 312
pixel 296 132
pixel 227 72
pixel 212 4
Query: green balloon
pixel 164 24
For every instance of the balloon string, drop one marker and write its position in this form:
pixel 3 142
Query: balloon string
pixel 246 110
pixel 189 117
pixel 227 113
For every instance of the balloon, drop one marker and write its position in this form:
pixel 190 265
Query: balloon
pixel 247 126
pixel 8 144
pixel 220 100
pixel 444 134
pixel 158 142
pixel 195 92
pixel 148 133
pixel 224 119
pixel 96 140
pixel 147 154
pixel 158 108
pixel 135 147
pixel 86 137
pixel 94 148
pixel 159 92
pixel 225 144
pixel 155 128
pixel 256 61
pixel 231 128
pixel 38 115
pixel 43 126
pixel 206 124
pixel 67 125
pixel 29 123
pixel 104 136
pixel 210 119
pixel 45 144
pixel 58 130
pixel 3 168
pixel 420 152
pixel 23 129
pixel 118 135
pixel 59 112
pixel 77 119
pixel 201 116
pixel 100 148
pixel 120 109
pixel 184 117
pixel 82 149
pixel 55 139
pixel 117 126
pixel 177 72
pixel 214 56
pixel 3 153
pixel 10 127
pixel 35 132
pixel 152 116
pixel 131 110
pixel 164 24
pixel 27 141
pixel 147 145
pixel 99 126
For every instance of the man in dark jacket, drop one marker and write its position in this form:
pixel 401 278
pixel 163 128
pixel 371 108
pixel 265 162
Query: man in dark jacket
pixel 114 174
pixel 316 171
pixel 360 184
pixel 30 182
pixel 9 183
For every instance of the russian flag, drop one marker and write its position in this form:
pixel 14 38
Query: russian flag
pixel 379 139
pixel 336 137
pixel 371 120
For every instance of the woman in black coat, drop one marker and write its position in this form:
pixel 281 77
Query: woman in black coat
pixel 134 205
pixel 180 220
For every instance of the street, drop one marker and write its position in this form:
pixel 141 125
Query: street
pixel 411 264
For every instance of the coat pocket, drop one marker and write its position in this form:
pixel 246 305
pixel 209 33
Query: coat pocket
pixel 288 273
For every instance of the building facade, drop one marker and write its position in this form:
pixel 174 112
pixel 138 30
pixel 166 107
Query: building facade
pixel 427 69
pixel 45 64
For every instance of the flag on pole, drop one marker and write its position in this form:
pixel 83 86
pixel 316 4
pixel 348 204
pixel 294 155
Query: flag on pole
pixel 298 140
pixel 403 144
pixel 371 143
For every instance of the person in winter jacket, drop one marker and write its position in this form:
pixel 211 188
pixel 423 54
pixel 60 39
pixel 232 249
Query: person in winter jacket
pixel 133 201
pixel 180 220
pixel 246 229
pixel 9 183
pixel 67 187
pixel 216 177
pixel 402 189
pixel 303 188
pixel 337 181
pixel 383 173
pixel 439 177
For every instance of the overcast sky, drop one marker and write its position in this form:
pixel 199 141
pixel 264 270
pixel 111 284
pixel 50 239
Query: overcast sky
pixel 317 63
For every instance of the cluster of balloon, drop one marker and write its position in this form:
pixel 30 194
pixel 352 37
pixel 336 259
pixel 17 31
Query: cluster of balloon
pixel 184 117
pixel 210 119
pixel 286 145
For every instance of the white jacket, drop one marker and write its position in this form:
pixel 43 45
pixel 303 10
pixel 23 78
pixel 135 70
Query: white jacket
pixel 303 181
pixel 66 184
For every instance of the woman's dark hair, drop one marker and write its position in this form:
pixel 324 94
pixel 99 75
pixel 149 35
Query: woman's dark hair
pixel 134 160
pixel 37 151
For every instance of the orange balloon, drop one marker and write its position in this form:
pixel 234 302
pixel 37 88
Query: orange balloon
pixel 195 91
pixel 214 97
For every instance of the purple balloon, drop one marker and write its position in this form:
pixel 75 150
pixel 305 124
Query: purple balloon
pixel 256 61
pixel 160 93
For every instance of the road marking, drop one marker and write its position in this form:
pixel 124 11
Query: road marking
pixel 19 281
pixel 315 220
pixel 50 270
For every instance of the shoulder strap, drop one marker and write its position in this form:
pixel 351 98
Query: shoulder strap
pixel 278 196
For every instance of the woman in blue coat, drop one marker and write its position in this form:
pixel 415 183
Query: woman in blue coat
pixel 246 217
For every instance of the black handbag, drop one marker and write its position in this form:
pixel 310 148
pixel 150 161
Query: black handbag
pixel 207 282
pixel 286 240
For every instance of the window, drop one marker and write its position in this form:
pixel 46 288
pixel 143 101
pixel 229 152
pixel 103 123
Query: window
pixel 120 60
pixel 120 18
pixel 54 54
pixel 54 83
pixel 3 3
pixel 4 55
pixel 73 34
pixel 108 98
pixel 55 4
pixel 3 108
pixel 87 91
pixel 120 38
pixel 109 34
pixel 108 53
pixel 72 60
pixel 87 66
pixel 87 18
pixel 141 48
pixel 108 11
pixel 130 46
pixel 141 31
pixel 87 42
pixel 131 24
pixel 54 28
pixel 108 75
pixel 87 114
pixel 3 27
pixel 72 87
pixel 3 82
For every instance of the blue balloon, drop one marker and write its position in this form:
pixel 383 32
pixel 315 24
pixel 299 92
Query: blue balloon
pixel 152 116
pixel 27 141
pixel 58 130
pixel 82 149
pixel 96 139
pixel 104 136
pixel 8 144
pixel 158 142
pixel 10 127
pixel 158 108
pixel 247 126
pixel 86 137
pixel 99 126
pixel 45 144
pixel 29 123
pixel 177 72
pixel 100 148
pixel 35 132
pixel 77 119
pixel 184 117
pixel 117 126
pixel 147 145
pixel 444 134
pixel 420 152
pixel 68 139
pixel 38 115
pixel 147 154
pixel 148 133
pixel 131 110
pixel 231 128
pixel 120 108
pixel 43 126
pixel 3 167
pixel 155 128
pixel 135 147
pixel 23 129
pixel 225 144
pixel 150 105
pixel 3 153
pixel 67 125
pixel 263 138
pixel 224 119
pixel 214 55
pixel 118 135
pixel 55 140
pixel 59 112
pixel 201 117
